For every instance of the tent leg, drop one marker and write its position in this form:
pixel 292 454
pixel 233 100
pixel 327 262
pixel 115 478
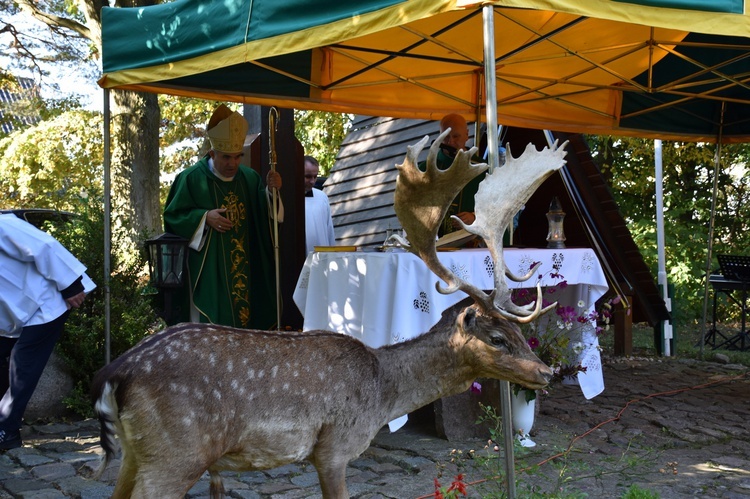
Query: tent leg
pixel 714 195
pixel 666 336
pixel 488 20
pixel 107 229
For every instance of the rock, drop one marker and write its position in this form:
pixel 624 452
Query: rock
pixel 55 384
pixel 721 358
pixel 456 416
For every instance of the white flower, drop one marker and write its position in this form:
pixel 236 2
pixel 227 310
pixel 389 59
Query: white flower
pixel 581 304
pixel 577 347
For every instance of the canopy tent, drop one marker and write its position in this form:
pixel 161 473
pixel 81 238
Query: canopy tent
pixel 648 68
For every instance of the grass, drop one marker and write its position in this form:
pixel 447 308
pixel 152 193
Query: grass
pixel 686 343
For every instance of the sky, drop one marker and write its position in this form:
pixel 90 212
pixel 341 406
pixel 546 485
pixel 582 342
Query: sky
pixel 71 81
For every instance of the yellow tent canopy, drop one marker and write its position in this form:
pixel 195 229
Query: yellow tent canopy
pixel 650 68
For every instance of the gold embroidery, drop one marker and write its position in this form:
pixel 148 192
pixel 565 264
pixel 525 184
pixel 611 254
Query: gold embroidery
pixel 235 209
pixel 238 257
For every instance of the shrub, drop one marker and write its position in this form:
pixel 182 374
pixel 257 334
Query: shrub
pixel 83 344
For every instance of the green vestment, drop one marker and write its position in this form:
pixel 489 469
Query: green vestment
pixel 232 275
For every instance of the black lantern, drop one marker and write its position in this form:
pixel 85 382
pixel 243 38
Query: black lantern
pixel 166 260
pixel 555 217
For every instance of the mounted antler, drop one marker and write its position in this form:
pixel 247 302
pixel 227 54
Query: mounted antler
pixel 422 200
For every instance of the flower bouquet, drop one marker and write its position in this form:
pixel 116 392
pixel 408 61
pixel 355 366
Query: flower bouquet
pixel 562 335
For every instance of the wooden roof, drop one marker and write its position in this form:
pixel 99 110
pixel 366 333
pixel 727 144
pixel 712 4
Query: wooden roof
pixel 11 99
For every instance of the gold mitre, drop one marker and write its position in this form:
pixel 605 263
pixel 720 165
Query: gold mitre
pixel 227 130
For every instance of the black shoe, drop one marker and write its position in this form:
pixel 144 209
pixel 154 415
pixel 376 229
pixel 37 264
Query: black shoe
pixel 10 439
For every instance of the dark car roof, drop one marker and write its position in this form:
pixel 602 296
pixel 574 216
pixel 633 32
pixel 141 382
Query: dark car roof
pixel 37 216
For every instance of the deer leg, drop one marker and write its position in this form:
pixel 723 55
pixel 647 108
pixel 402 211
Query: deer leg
pixel 332 477
pixel 164 485
pixel 125 478
pixel 216 488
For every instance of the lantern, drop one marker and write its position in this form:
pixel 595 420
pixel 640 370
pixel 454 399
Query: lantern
pixel 166 260
pixel 555 217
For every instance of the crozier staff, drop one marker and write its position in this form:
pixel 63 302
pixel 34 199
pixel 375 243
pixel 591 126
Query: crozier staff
pixel 223 209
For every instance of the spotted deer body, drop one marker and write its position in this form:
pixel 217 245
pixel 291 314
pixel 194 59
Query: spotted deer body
pixel 199 397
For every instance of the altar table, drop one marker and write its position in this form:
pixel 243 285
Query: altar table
pixel 384 298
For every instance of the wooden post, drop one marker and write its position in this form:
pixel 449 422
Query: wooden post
pixel 624 327
pixel 291 168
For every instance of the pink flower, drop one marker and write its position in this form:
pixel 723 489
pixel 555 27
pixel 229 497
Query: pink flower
pixel 533 342
pixel 567 314
pixel 476 388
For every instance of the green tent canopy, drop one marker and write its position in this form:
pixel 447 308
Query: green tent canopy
pixel 649 68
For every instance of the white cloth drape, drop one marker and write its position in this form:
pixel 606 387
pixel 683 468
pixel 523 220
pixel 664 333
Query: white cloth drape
pixel 383 298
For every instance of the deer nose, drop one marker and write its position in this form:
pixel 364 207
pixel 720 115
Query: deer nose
pixel 546 374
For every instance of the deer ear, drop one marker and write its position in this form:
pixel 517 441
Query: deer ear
pixel 469 320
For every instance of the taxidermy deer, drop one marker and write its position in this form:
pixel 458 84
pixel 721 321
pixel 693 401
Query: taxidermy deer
pixel 199 397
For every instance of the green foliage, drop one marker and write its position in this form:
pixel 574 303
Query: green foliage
pixel 321 135
pixel 688 175
pixel 53 164
pixel 82 345
pixel 183 130
pixel 635 492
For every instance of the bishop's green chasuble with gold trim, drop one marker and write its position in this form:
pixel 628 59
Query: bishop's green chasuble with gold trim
pixel 232 275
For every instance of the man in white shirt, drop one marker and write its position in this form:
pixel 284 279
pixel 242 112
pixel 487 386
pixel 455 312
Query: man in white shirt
pixel 318 222
pixel 40 282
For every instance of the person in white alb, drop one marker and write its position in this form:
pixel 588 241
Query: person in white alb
pixel 40 283
pixel 318 222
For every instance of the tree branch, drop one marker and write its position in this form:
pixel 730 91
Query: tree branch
pixel 52 20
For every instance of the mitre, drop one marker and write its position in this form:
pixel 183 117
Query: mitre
pixel 227 130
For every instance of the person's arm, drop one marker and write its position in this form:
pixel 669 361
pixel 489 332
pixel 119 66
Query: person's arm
pixel 74 294
pixel 25 243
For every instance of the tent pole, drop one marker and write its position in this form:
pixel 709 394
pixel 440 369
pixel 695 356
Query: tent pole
pixel 107 228
pixel 488 13
pixel 714 195
pixel 662 271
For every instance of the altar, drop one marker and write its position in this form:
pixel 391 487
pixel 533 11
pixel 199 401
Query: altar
pixel 384 298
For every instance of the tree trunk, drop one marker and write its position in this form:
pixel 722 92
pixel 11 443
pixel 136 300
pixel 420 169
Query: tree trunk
pixel 136 209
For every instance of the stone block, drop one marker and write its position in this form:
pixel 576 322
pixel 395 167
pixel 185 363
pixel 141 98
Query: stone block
pixel 55 384
pixel 456 416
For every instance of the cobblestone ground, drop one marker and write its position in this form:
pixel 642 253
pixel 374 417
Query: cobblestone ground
pixel 679 428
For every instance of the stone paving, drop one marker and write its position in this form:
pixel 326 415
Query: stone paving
pixel 675 427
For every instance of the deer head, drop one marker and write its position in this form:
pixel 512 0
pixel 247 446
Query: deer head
pixel 422 200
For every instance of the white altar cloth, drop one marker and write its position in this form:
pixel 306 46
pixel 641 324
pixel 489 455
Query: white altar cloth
pixel 384 298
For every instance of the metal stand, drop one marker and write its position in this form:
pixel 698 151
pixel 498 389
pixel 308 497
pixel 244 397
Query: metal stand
pixel 741 340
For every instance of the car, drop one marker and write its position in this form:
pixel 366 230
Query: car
pixel 38 216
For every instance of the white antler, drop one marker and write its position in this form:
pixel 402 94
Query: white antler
pixel 422 200
pixel 500 196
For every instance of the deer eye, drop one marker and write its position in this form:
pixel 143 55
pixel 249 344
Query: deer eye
pixel 498 340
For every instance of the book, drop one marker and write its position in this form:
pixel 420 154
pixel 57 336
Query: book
pixel 335 248
pixel 455 239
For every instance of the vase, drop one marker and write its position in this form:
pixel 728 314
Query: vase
pixel 522 412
